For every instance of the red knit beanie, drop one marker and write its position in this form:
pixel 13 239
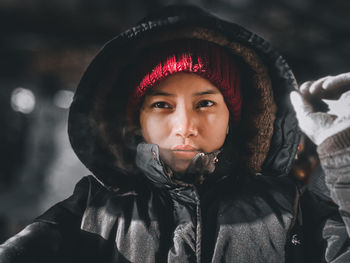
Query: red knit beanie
pixel 206 59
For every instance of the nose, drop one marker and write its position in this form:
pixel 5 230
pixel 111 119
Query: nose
pixel 185 123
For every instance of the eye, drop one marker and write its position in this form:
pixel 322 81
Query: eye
pixel 205 103
pixel 161 105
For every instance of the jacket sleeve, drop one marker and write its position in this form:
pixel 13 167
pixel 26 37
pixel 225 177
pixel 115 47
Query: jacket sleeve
pixel 334 154
pixel 52 235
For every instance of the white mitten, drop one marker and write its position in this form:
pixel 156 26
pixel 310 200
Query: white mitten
pixel 319 126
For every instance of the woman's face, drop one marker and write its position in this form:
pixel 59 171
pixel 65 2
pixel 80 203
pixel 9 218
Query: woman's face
pixel 184 115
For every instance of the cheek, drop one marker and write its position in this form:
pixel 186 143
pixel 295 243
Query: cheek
pixel 154 129
pixel 214 132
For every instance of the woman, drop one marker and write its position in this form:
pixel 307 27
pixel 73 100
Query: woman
pixel 186 125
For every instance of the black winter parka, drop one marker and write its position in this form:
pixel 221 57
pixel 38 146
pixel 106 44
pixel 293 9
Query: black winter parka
pixel 250 209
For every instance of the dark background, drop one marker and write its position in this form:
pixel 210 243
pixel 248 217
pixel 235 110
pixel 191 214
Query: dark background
pixel 46 45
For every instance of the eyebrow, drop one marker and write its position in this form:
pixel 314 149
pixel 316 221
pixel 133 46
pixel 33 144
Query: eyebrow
pixel 210 91
pixel 160 93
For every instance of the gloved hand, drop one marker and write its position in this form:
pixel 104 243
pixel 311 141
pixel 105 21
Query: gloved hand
pixel 318 125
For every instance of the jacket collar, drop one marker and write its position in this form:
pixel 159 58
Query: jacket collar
pixel 149 162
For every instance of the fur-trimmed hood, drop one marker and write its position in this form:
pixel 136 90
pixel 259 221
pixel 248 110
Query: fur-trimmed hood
pixel 97 126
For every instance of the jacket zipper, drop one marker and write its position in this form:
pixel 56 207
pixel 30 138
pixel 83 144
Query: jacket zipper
pixel 198 226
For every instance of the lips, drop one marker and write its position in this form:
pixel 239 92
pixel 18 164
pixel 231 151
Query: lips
pixel 185 151
pixel 185 147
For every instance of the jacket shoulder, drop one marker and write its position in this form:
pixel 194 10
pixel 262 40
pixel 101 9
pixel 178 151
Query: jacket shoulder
pixel 53 234
pixel 74 206
pixel 38 242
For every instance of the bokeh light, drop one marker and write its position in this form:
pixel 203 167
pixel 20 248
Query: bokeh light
pixel 63 98
pixel 22 100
